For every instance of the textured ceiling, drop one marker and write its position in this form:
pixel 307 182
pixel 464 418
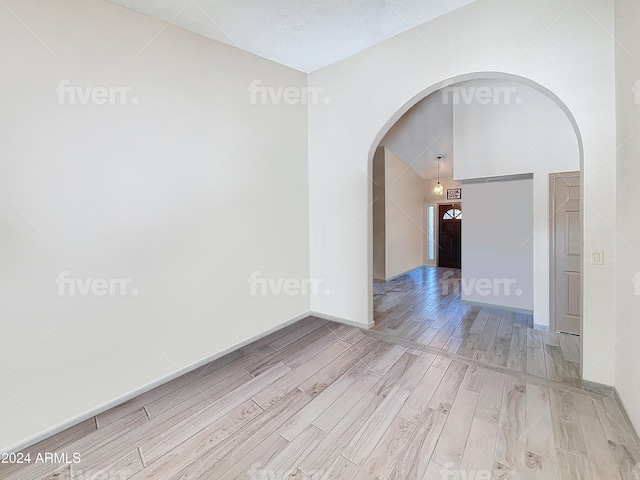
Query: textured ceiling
pixel 303 34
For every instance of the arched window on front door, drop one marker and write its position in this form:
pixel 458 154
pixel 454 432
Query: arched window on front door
pixel 452 214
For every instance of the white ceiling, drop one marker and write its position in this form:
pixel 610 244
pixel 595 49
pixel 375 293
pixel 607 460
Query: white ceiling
pixel 303 34
pixel 423 133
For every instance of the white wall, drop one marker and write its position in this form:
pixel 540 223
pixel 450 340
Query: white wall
pixel 185 193
pixel 557 45
pixel 404 216
pixel 398 216
pixel 497 244
pixel 514 130
pixel 628 189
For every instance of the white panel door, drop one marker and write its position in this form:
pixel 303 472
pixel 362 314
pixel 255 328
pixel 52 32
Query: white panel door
pixel 567 249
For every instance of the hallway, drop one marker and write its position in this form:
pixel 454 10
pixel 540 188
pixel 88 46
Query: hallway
pixel 424 307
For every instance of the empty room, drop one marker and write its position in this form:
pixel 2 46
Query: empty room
pixel 319 240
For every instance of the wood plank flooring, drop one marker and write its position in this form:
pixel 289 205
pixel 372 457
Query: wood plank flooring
pixel 321 401
pixel 424 307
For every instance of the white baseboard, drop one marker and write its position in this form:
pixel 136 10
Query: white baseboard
pixel 404 273
pixel 473 303
pixel 612 392
pixel 541 327
pixel 332 318
pixel 625 413
pixel 139 391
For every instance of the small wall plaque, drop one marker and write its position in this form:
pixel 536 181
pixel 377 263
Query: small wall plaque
pixel 454 193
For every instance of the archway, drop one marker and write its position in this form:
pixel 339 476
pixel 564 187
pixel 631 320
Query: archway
pixel 456 81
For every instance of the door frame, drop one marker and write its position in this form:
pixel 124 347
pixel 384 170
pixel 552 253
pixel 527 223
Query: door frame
pixel 437 229
pixel 552 250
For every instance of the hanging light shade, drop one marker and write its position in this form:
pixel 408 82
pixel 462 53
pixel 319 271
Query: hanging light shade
pixel 438 189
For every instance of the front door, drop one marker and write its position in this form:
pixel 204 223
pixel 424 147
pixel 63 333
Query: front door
pixel 450 235
pixel 566 251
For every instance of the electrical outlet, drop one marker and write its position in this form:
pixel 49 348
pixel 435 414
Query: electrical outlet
pixel 597 257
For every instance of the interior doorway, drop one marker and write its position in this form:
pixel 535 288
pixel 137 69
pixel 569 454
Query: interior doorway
pixel 450 235
pixel 416 306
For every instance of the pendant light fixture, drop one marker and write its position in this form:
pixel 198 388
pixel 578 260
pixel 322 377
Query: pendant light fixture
pixel 438 189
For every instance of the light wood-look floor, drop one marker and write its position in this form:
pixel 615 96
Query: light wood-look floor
pixel 424 307
pixel 318 400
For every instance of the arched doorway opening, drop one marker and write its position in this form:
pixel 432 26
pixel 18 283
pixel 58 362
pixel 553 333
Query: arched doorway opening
pixel 506 138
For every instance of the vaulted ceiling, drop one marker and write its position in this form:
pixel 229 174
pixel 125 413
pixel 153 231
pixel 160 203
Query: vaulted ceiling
pixel 422 134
